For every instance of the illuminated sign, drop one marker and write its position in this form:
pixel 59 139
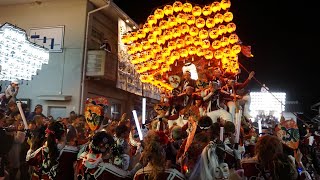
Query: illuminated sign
pixel 19 58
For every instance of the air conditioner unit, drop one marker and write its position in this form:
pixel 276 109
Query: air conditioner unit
pixel 96 63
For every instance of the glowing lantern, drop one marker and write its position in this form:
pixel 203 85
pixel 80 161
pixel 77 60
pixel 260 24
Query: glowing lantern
pixel 215 7
pixel 233 38
pixel 187 7
pixel 218 54
pixel 236 49
pixel 167 34
pixel 188 40
pixel 161 40
pixel 147 27
pixel 145 45
pixel 134 59
pixel 222 29
pixel 201 51
pixel 172 45
pixel 184 28
pixel 141 34
pixel 172 21
pixel 158 13
pixel 138 47
pixel 190 19
pixel 143 57
pixel 156 48
pixel 231 27
pixel 149 54
pixel 208 54
pixel 133 36
pixel 205 44
pixel 183 53
pixel 233 57
pixel 152 20
pixel 196 11
pixel 224 41
pixel 131 49
pixel 180 43
pixel 152 38
pixel 203 34
pixel 163 24
pixel 168 10
pixel 214 33
pixel 197 41
pixel 144 78
pixel 125 39
pixel 176 32
pixel 206 10
pixel 228 16
pixel 157 31
pixel 154 65
pixel 225 4
pixel 192 50
pixel 166 52
pixel 216 44
pixel 218 18
pixel 175 55
pixel 226 52
pixel 177 6
pixel 200 22
pixel 194 31
pixel 210 23
pixel 181 18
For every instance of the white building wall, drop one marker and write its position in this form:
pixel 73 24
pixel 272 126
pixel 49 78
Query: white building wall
pixel 62 76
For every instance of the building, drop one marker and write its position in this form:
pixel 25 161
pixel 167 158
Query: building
pixel 84 58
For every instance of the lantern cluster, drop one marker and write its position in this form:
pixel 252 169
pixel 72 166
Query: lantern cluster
pixel 182 31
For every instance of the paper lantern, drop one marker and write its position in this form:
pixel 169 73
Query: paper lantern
pixel 156 48
pixel 206 10
pixel 147 27
pixel 168 34
pixel 168 10
pixel 183 53
pixel 194 31
pixel 203 34
pixel 192 50
pixel 163 24
pixel 181 18
pixel 138 47
pixel 196 11
pixel 224 41
pixel 158 13
pixel 172 45
pixel 208 54
pixel 177 6
pixel 184 29
pixel 141 34
pixel 176 32
pixel 154 65
pixel 134 59
pixel 222 29
pixel 149 54
pixel 197 41
pixel 131 49
pixel 210 23
pixel 226 52
pixel 214 33
pixel 180 43
pixel 218 54
pixel 228 17
pixel 218 18
pixel 205 44
pixel 157 31
pixel 152 20
pixel 172 21
pixel 187 7
pixel 216 44
pixel 144 78
pixel 200 22
pixel 231 27
pixel 143 57
pixel 166 52
pixel 133 36
pixel 125 39
pixel 175 55
pixel 145 45
pixel 215 7
pixel 233 38
pixel 201 51
pixel 233 57
pixel 161 40
pixel 152 38
pixel 236 49
pixel 188 40
pixel 190 19
pixel 225 4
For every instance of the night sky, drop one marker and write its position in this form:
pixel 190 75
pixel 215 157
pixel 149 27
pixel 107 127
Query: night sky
pixel 284 37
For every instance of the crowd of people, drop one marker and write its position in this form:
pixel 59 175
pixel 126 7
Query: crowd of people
pixel 201 145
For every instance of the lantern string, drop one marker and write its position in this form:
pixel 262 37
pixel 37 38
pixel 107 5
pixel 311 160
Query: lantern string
pixel 304 122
